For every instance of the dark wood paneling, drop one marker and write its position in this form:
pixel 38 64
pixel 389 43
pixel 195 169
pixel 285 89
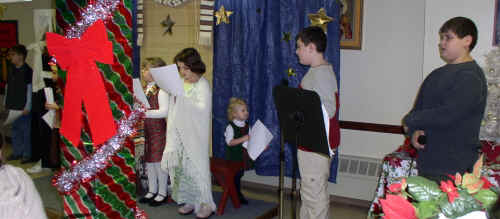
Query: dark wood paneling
pixel 372 127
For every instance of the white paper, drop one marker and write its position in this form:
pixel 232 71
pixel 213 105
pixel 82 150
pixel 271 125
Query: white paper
pixel 139 93
pixel 50 116
pixel 168 79
pixel 13 115
pixel 260 137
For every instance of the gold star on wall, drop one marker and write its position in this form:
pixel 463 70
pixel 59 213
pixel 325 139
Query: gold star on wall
pixel 286 36
pixel 223 15
pixel 2 10
pixel 320 19
pixel 291 72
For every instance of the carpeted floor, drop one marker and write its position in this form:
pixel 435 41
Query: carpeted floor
pixel 255 208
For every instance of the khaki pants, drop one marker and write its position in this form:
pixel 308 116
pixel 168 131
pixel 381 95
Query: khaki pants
pixel 314 171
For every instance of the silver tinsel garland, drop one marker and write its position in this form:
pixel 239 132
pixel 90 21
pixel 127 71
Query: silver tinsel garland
pixel 86 169
pixel 490 127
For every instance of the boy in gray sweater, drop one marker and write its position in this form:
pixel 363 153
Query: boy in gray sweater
pixel 449 106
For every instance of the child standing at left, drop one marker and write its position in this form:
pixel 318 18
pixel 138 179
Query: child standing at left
pixel 18 97
pixel 155 129
pixel 236 135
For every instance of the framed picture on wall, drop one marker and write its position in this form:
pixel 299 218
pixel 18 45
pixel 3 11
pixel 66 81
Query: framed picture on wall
pixel 8 38
pixel 496 32
pixel 351 19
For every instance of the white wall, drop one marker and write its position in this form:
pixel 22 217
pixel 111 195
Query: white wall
pixel 378 83
pixel 23 13
pixel 438 12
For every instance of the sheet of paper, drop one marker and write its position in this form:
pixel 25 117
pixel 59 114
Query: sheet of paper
pixel 49 117
pixel 168 79
pixel 139 92
pixel 260 137
pixel 13 115
pixel 49 94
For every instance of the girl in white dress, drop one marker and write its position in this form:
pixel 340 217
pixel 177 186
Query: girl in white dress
pixel 187 153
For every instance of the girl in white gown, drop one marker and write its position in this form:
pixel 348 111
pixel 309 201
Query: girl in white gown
pixel 187 153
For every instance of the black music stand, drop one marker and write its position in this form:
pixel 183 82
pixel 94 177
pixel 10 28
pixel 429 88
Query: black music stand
pixel 301 124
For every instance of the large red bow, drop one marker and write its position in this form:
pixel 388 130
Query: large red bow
pixel 84 82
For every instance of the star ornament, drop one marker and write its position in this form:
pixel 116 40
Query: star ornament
pixel 286 36
pixel 168 23
pixel 320 19
pixel 223 15
pixel 291 72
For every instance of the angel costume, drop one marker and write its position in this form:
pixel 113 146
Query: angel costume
pixel 187 154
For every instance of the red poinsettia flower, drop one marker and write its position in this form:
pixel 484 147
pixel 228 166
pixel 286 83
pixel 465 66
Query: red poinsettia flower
pixel 396 188
pixel 486 184
pixel 450 189
pixel 397 207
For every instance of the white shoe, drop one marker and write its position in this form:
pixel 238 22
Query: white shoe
pixel 37 168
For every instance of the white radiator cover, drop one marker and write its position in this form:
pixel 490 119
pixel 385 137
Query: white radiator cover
pixel 357 178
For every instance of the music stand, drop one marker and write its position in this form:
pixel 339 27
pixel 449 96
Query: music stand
pixel 301 124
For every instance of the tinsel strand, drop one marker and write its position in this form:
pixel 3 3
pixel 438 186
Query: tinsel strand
pixel 87 169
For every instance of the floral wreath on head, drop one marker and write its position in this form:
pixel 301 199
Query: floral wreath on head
pixel 418 198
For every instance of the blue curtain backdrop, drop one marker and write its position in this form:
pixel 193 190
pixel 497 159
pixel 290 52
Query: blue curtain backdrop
pixel 250 58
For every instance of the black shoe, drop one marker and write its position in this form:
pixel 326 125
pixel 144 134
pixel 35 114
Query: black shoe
pixel 154 203
pixel 243 200
pixel 145 200
pixel 13 157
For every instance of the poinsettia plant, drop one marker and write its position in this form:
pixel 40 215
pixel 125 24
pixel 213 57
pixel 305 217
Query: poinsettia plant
pixel 419 198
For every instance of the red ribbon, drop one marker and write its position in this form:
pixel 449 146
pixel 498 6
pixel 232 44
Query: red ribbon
pixel 84 83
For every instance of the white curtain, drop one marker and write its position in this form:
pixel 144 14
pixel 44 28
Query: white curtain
pixel 43 21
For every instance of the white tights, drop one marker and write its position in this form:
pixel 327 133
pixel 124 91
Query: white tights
pixel 157 179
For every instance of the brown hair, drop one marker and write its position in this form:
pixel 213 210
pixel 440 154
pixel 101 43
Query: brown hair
pixel 462 27
pixel 233 102
pixel 153 62
pixel 192 59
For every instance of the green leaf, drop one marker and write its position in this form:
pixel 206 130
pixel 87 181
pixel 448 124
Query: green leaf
pixel 427 209
pixel 422 189
pixel 487 197
pixel 462 205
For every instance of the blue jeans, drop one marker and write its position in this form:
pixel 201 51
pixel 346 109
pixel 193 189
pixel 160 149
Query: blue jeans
pixel 21 136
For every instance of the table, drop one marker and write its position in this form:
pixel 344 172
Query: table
pixel 402 163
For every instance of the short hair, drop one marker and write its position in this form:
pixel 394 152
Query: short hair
pixel 462 27
pixel 20 49
pixel 153 62
pixel 315 35
pixel 192 59
pixel 234 101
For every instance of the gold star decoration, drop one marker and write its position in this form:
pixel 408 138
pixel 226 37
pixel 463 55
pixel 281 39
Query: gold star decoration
pixel 2 10
pixel 223 15
pixel 168 23
pixel 286 36
pixel 320 19
pixel 291 72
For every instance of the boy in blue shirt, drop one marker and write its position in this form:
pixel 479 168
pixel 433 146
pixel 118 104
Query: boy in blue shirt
pixel 449 106
pixel 18 97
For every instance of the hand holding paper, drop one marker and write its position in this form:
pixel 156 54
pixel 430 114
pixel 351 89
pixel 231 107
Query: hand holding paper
pixel 168 79
pixel 13 115
pixel 49 116
pixel 260 137
pixel 139 93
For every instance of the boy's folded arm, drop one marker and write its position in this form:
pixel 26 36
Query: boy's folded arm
pixel 465 95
